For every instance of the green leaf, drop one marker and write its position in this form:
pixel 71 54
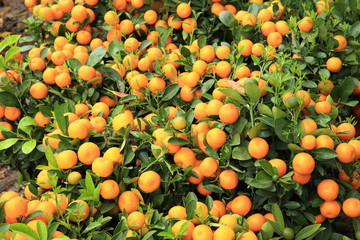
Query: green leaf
pixel 8 41
pixel 74 64
pixel 263 177
pixel 144 44
pixel 233 94
pixel 24 230
pixel 96 56
pixel 179 141
pixel 50 156
pixel 252 91
pixel 275 209
pixel 42 230
pixel 278 113
pixel 7 143
pixel 26 124
pixel 325 153
pixel 307 231
pixel 265 110
pixel 185 52
pixel 28 146
pixel 211 152
pixel 241 152
pixel 268 168
pixel 148 235
pixel 354 30
pixel 89 184
pixel 214 188
pixel 190 204
pixel 255 130
pixel 32 215
pixel 91 226
pixel 226 17
pixel 202 41
pixel 8 99
pixel 11 52
pixel 292 205
pixel 60 118
pixel 170 92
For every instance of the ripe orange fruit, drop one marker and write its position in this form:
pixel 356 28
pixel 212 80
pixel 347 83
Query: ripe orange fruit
pixel 328 189
pixel 346 153
pixel 342 42
pixel 79 129
pixel 183 10
pixel 207 53
pixel 86 73
pixel 228 220
pixel 208 167
pixel 330 209
pixel 334 64
pixel 248 19
pixel 309 125
pixel 41 120
pixel 82 210
pixel 202 232
pixel 222 52
pixel 351 207
pixel 216 138
pixel 128 201
pixel 177 212
pixel 245 46
pixel 109 189
pixel 258 148
pixel 228 179
pixel 189 25
pixel 122 120
pixel 255 222
pixel 308 142
pixel 324 141
pixel 102 167
pixel 356 144
pixel 114 155
pixel 188 229
pixel 136 220
pixel 224 233
pixel 213 107
pixel 303 163
pixel 306 24
pixel 280 165
pixel 79 13
pixel 185 157
pixel 74 177
pixel 274 39
pixel 302 179
pixel 16 207
pixel 38 90
pixel 223 69
pixel 241 205
pixel 282 27
pixel 325 86
pixel 343 127
pixel 88 152
pixel 323 107
pixel 149 181
pixel 66 159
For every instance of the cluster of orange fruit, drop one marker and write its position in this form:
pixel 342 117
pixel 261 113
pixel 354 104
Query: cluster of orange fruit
pixel 137 68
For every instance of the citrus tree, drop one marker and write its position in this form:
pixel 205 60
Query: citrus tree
pixel 133 119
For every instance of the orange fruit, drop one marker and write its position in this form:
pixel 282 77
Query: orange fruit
pixel 328 189
pixel 249 235
pixel 86 73
pixel 189 227
pixel 255 222
pixel 222 52
pixel 282 27
pixel 224 233
pixel 309 125
pixel 324 141
pixel 330 209
pixel 308 142
pixel 274 39
pixel 267 28
pixel 149 181
pixel 79 13
pixel 208 167
pixel 334 64
pixel 280 165
pixel 189 25
pixel 177 212
pixel 82 210
pixel 228 220
pixel 343 127
pixel 301 178
pixel 342 42
pixel 109 189
pixel 114 155
pixel 136 220
pixel 356 144
pixel 216 138
pixel 303 163
pixel 245 46
pixel 306 24
pixel 248 19
pixel 66 159
pixel 88 152
pixel 128 201
pixel 351 207
pixel 184 157
pixel 207 53
pixel 16 207
pixel 102 167
pixel 323 107
pixel 122 120
pixel 264 15
pixel 241 205
pixel 346 153
pixel 183 10
pixel 202 232
pixel 213 107
pixel 228 179
pixel 79 129
pixel 258 148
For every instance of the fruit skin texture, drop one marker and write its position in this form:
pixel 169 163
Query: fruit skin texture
pixel 303 163
pixel 330 209
pixel 328 189
pixel 149 181
pixel 351 207
pixel 258 148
